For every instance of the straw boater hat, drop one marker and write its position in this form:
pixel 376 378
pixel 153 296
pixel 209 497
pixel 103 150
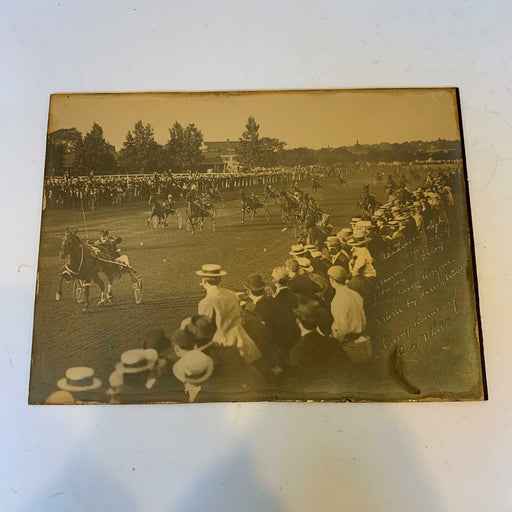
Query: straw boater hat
pixel 137 360
pixel 79 378
pixel 358 239
pixel 211 270
pixel 297 250
pixel 305 264
pixel 193 367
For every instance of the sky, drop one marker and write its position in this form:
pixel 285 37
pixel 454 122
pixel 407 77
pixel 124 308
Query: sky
pixel 313 119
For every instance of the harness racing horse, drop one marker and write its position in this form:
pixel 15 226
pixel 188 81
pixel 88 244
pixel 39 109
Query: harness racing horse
pixel 83 265
pixel 316 183
pixel 198 210
pixel 270 194
pixel 341 181
pixel 159 212
pixel 289 206
pixel 368 203
pixel 251 204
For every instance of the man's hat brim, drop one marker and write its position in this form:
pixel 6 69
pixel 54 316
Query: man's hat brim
pixel 201 273
pixel 63 384
pixel 178 370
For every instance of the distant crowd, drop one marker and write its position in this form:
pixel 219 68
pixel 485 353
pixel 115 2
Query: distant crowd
pixel 91 192
pixel 296 333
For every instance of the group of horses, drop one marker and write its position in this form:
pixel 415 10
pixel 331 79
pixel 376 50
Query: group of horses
pixel 86 263
pixel 196 211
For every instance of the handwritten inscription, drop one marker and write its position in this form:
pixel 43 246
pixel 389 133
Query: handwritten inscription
pixel 418 300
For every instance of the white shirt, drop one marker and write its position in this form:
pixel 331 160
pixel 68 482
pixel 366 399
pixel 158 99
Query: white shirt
pixel 348 312
pixel 363 262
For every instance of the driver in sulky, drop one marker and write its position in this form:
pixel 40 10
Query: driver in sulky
pixel 107 243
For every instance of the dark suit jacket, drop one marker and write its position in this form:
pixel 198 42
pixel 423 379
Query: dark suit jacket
pixel 310 361
pixel 342 261
pixel 286 329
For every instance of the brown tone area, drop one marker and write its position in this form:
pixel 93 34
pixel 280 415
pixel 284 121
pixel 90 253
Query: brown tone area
pixel 301 118
pixel 444 365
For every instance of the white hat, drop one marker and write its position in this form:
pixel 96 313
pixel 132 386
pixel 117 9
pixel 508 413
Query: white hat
pixel 211 270
pixel 79 378
pixel 305 263
pixel 194 367
pixel 137 360
pixel 297 249
pixel 60 398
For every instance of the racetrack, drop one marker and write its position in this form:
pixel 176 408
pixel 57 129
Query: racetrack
pixel 167 259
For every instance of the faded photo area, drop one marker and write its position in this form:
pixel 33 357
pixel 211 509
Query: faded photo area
pixel 246 246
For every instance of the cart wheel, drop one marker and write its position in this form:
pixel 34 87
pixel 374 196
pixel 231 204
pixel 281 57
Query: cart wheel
pixel 137 290
pixel 179 221
pixel 79 291
pixel 155 221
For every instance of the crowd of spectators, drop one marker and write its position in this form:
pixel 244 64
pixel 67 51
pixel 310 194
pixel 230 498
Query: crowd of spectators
pixel 91 192
pixel 294 334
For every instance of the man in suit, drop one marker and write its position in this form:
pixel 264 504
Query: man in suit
pixel 259 320
pixel 222 307
pixel 310 358
pixel 338 255
pixel 286 330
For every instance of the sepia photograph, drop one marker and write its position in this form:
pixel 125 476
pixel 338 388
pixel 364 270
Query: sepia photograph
pixel 305 245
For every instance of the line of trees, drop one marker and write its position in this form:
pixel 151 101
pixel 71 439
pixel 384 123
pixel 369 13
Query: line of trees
pixel 182 151
pixel 256 151
pixel 140 152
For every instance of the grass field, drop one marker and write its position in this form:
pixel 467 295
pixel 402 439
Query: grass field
pixel 443 364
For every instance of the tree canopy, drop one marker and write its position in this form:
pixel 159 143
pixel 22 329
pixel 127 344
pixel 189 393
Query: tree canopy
pixel 95 154
pixel 183 149
pixel 140 152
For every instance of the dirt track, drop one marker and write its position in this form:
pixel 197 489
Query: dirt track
pixel 167 259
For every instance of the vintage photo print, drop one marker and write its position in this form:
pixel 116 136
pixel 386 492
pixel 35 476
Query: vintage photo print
pixel 247 246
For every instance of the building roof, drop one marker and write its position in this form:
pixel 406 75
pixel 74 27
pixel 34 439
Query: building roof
pixel 223 146
pixel 212 158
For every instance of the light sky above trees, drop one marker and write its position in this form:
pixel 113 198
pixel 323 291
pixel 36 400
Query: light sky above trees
pixel 302 118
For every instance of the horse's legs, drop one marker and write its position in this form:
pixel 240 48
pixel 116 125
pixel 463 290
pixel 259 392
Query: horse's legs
pixel 87 288
pixel 58 295
pixel 97 279
pixel 110 279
